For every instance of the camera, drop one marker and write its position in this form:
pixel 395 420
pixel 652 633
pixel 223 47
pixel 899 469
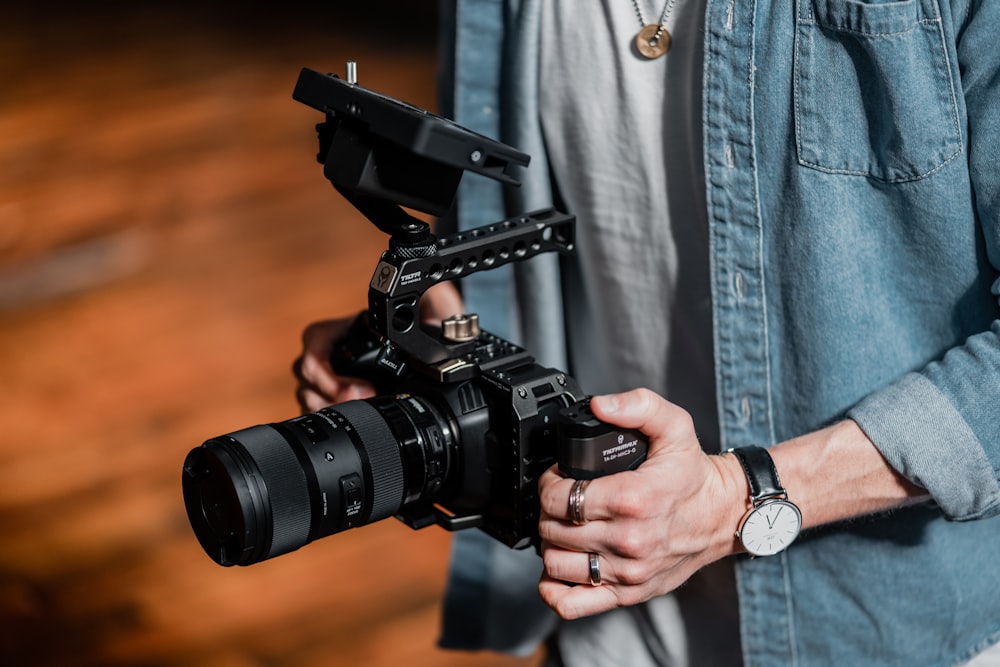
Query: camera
pixel 464 422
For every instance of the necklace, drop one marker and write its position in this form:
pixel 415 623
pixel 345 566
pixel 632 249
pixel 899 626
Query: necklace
pixel 653 39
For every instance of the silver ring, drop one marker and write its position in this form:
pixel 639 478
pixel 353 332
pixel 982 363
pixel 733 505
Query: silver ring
pixel 576 502
pixel 595 569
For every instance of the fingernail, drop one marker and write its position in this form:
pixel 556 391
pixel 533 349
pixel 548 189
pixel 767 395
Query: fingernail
pixel 609 403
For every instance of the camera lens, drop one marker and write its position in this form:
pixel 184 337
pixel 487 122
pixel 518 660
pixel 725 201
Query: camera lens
pixel 270 489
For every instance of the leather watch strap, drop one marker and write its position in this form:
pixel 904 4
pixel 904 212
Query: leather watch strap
pixel 761 473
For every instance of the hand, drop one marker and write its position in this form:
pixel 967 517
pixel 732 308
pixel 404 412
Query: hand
pixel 319 386
pixel 653 527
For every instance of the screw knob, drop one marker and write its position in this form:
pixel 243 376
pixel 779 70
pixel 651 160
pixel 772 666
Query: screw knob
pixel 460 328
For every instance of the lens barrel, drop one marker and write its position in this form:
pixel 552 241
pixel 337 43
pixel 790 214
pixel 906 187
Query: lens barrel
pixel 266 490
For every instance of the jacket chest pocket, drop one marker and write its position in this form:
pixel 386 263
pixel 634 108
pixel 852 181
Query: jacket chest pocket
pixel 874 94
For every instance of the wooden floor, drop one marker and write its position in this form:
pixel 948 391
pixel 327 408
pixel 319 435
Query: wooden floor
pixel 165 234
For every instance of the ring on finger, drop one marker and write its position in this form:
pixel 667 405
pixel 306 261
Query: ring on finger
pixel 595 569
pixel 576 497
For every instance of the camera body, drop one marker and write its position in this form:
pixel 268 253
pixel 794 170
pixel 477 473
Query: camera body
pixel 464 422
pixel 501 412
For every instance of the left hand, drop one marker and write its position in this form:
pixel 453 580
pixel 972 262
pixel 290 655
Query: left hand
pixel 319 385
pixel 652 527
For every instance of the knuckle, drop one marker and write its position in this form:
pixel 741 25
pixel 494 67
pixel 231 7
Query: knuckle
pixel 628 503
pixel 633 573
pixel 308 367
pixel 314 401
pixel 682 420
pixel 545 527
pixel 629 596
pixel 564 610
pixel 554 567
pixel 550 500
pixel 632 544
pixel 312 332
pixel 316 373
pixel 549 564
pixel 318 337
pixel 647 396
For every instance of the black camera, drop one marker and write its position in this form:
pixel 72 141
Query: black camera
pixel 464 422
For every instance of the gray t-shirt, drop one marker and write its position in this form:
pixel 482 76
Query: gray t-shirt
pixel 624 139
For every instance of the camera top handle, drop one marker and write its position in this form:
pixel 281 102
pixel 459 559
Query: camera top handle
pixel 399 281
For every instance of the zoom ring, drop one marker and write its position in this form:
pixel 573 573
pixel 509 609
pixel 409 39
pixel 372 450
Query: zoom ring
pixel 287 489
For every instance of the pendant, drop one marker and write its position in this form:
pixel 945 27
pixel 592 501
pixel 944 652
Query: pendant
pixel 651 46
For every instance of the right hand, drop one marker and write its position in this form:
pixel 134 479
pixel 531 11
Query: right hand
pixel 320 386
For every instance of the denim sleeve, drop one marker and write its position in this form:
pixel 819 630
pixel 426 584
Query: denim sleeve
pixel 941 427
pixel 929 441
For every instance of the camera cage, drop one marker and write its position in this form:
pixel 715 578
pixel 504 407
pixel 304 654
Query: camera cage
pixel 384 155
pixel 464 422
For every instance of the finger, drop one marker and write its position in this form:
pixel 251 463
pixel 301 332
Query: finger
pixel 318 374
pixel 311 400
pixel 353 389
pixel 565 535
pixel 439 302
pixel 555 495
pixel 647 411
pixel 318 337
pixel 571 566
pixel 576 601
pixel 603 498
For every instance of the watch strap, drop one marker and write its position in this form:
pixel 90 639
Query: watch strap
pixel 760 471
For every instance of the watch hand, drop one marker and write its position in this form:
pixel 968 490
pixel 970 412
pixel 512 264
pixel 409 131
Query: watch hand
pixel 771 520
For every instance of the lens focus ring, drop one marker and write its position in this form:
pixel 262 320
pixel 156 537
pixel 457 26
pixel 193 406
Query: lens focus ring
pixel 382 448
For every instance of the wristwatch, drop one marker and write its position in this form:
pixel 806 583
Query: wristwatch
pixel 773 521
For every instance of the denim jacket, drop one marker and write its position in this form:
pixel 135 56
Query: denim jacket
pixel 852 165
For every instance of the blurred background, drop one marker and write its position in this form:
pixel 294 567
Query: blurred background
pixel 165 235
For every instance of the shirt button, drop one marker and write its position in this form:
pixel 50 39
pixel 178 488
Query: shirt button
pixel 738 284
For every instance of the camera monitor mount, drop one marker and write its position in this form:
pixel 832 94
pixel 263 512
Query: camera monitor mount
pixel 381 153
pixel 385 156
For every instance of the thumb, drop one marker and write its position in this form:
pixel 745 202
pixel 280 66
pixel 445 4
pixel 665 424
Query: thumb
pixel 664 422
pixel 440 302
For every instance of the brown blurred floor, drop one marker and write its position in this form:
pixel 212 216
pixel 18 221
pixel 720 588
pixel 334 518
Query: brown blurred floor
pixel 164 236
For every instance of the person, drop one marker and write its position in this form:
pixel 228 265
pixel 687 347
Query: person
pixel 788 237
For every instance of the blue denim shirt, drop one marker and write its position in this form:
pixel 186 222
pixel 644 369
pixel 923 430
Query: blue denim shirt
pixel 852 165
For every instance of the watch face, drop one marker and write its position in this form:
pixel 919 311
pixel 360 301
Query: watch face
pixel 770 527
